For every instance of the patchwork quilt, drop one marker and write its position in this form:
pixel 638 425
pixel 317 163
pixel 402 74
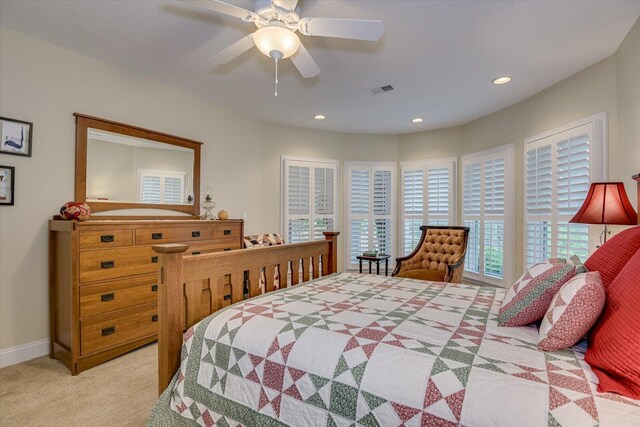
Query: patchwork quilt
pixel 353 349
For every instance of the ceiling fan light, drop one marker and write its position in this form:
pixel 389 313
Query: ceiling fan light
pixel 276 39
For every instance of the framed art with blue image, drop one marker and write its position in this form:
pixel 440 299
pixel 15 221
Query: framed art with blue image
pixel 16 137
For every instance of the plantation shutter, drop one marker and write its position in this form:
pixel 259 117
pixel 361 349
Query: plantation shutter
pixel 151 189
pixel 428 197
pixel 486 207
pixel 559 170
pixel 413 207
pixel 161 187
pixel 298 222
pixel 310 193
pixel 173 190
pixel 371 209
pixel 382 207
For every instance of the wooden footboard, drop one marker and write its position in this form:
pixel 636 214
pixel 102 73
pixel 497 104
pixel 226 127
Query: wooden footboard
pixel 180 279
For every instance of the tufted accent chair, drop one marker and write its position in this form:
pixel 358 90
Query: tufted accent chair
pixel 439 256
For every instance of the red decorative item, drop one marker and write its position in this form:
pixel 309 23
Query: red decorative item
pixel 611 257
pixel 614 343
pixel 75 210
pixel 606 203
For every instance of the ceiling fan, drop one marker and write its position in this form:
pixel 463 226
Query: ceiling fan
pixel 277 22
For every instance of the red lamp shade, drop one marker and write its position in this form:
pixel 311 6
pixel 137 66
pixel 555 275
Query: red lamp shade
pixel 606 203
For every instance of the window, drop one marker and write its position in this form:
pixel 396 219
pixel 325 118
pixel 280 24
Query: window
pixel 488 210
pixel 559 167
pixel 310 194
pixel 161 187
pixel 370 208
pixel 427 195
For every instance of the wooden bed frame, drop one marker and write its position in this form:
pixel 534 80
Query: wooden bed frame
pixel 180 280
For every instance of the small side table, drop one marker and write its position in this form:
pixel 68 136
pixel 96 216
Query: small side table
pixel 377 260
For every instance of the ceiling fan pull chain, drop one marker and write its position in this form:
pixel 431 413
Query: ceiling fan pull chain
pixel 276 76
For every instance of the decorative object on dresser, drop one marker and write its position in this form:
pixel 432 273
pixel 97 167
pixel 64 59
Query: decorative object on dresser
pixel 7 185
pixel 75 210
pixel 15 137
pixel 104 277
pixel 208 206
pixel 606 203
pixel 223 214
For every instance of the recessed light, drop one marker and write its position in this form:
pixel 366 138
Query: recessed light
pixel 501 80
pixel 417 120
pixel 319 117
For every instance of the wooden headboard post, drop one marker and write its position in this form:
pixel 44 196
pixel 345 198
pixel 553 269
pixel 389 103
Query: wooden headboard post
pixel 170 309
pixel 180 277
pixel 332 236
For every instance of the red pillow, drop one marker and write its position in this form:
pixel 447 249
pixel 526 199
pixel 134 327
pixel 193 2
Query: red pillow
pixel 614 343
pixel 611 257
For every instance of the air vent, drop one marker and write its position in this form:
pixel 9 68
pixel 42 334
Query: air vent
pixel 382 89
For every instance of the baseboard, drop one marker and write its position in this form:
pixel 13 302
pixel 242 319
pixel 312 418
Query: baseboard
pixel 24 352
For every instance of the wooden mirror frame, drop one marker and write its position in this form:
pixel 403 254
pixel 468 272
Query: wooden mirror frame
pixel 84 122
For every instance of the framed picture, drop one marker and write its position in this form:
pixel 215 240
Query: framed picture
pixel 7 185
pixel 16 137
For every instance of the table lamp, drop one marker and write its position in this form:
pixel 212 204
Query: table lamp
pixel 606 203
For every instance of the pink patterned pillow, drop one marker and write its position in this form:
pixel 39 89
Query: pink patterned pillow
pixel 529 298
pixel 573 311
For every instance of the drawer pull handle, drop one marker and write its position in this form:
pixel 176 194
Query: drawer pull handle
pixel 227 297
pixel 227 232
pixel 107 297
pixel 154 287
pixel 107 238
pixel 107 264
pixel 195 234
pixel 227 249
pixel 108 331
pixel 154 259
pixel 156 236
pixel 196 253
pixel 154 318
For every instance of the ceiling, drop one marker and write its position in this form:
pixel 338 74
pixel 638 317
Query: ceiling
pixel 440 56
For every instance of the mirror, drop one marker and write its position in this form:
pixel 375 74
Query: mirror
pixel 121 166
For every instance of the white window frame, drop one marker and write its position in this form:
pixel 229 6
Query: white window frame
pixel 371 217
pixel 311 162
pixel 508 152
pixel 425 165
pixel 598 169
pixel 162 174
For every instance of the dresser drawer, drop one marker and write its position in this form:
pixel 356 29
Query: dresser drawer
pixel 102 332
pixel 116 263
pixel 105 238
pixel 182 233
pixel 106 297
pixel 226 231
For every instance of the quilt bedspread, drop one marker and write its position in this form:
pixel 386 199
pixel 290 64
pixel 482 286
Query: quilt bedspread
pixel 353 349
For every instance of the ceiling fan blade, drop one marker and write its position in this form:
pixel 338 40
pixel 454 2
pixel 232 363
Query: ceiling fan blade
pixel 285 5
pixel 305 63
pixel 233 51
pixel 357 29
pixel 224 8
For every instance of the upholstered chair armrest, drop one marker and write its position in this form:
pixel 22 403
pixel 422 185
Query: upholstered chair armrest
pixel 455 272
pixel 401 260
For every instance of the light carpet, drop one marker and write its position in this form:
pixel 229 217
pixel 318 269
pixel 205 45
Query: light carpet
pixel 42 392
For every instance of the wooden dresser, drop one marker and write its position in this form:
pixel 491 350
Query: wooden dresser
pixel 103 282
